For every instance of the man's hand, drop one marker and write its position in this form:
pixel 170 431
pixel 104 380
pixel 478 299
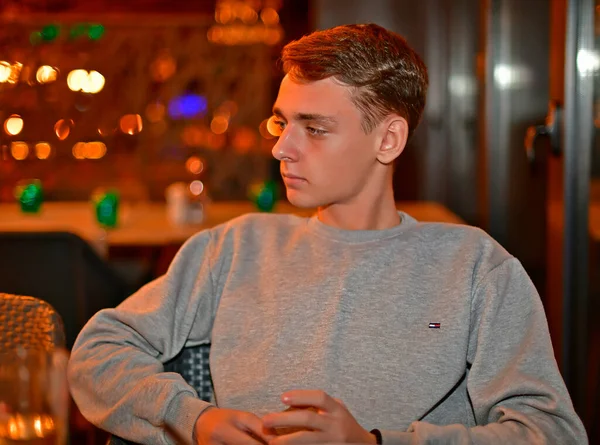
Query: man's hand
pixel 217 426
pixel 330 422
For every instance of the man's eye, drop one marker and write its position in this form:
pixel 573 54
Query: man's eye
pixel 275 126
pixel 315 131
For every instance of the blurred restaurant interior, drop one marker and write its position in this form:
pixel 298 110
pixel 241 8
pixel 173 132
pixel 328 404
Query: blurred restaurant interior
pixel 128 126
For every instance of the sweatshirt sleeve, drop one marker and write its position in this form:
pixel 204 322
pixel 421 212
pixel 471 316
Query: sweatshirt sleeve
pixel 116 373
pixel 517 393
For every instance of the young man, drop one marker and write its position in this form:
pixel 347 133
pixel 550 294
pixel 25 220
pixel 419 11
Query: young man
pixel 377 327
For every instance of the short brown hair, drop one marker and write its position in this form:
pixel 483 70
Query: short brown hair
pixel 387 74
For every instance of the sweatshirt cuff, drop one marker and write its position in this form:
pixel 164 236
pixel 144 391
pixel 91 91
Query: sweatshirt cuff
pixel 182 413
pixel 390 437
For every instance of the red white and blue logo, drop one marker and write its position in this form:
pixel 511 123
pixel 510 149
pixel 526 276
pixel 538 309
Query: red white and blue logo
pixel 434 325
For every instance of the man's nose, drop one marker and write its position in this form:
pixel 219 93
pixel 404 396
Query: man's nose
pixel 285 149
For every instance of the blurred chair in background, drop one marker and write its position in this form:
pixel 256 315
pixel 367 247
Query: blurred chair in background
pixel 63 270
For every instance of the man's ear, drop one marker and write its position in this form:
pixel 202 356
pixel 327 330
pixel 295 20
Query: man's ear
pixel 393 141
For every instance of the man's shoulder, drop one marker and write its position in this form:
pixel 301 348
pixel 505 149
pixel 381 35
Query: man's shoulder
pixel 460 242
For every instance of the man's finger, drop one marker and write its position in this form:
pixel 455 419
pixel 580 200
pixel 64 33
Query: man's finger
pixel 300 438
pixel 240 437
pixel 308 397
pixel 252 424
pixel 303 418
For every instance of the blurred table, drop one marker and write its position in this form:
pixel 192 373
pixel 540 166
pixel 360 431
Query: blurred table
pixel 146 224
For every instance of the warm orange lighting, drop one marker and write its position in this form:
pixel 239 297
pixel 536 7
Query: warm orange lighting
pixel 43 150
pixel 10 73
pixel 163 67
pixel 46 74
pixel 63 128
pixel 131 124
pixel 269 16
pixel 219 125
pixel 5 71
pixel 94 150
pixel 76 79
pixel 79 150
pixel 89 150
pixel 13 125
pixel 81 80
pixel 194 165
pixel 19 150
pixel 93 83
pixel 273 36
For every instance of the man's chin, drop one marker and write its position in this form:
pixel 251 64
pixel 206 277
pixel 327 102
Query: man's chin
pixel 302 200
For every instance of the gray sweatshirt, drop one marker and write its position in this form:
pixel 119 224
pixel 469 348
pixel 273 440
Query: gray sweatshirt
pixel 431 333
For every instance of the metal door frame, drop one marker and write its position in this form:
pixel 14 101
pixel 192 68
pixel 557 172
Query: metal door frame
pixel 578 139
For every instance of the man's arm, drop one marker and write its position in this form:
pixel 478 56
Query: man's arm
pixel 116 367
pixel 517 393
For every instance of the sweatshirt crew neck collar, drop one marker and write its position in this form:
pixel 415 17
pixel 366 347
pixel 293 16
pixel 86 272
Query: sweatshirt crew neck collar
pixel 359 236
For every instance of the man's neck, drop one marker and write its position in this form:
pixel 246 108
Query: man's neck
pixel 374 214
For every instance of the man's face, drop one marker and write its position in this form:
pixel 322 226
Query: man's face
pixel 326 158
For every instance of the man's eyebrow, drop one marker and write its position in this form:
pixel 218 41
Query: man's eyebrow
pixel 315 117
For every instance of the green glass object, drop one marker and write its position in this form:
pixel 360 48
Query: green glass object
pixel 30 196
pixel 96 31
pixel 264 195
pixel 50 32
pixel 107 208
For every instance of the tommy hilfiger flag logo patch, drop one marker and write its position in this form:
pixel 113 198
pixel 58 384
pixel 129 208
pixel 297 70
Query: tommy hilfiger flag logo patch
pixel 434 325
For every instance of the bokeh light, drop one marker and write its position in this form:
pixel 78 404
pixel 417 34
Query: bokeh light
pixel 13 125
pixel 94 84
pixel 131 124
pixel 163 67
pixel 79 150
pixel 95 150
pixel 196 187
pixel 19 150
pixel 264 131
pixel 89 150
pixel 46 74
pixel 269 16
pixel 219 125
pixel 194 165
pixel 187 106
pixel 62 128
pixel 96 31
pixel 5 71
pixel 10 73
pixel 272 127
pixel 43 150
pixel 81 80
pixel 76 79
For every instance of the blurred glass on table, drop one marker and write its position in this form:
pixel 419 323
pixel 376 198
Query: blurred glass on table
pixel 34 397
